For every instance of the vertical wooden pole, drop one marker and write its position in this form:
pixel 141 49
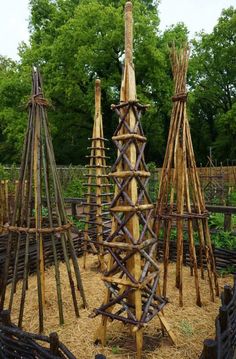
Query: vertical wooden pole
pixel 38 218
pixel 98 163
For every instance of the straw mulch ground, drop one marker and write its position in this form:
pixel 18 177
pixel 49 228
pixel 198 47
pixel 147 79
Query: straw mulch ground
pixel 190 324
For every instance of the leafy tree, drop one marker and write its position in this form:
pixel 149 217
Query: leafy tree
pixel 76 41
pixel 213 84
pixel 82 40
pixel 13 90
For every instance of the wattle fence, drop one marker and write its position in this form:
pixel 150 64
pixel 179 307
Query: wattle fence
pixel 48 251
pixel 224 344
pixel 225 259
pixel 15 343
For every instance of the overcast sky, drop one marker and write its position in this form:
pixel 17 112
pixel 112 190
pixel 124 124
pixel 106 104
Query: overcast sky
pixel 196 14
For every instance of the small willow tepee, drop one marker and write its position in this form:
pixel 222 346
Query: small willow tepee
pixel 180 202
pixel 39 214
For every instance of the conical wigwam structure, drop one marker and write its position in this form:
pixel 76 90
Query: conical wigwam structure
pixel 132 274
pixel 39 213
pixel 97 220
pixel 180 200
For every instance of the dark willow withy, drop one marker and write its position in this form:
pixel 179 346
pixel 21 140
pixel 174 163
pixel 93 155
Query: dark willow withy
pixel 39 213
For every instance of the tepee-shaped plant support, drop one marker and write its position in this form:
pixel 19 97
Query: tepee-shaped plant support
pixel 180 200
pixel 39 213
pixel 132 274
pixel 97 220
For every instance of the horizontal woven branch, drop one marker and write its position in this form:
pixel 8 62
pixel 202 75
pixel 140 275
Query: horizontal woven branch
pixel 182 96
pixel 58 229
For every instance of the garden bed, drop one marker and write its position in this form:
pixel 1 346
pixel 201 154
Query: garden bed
pixel 190 324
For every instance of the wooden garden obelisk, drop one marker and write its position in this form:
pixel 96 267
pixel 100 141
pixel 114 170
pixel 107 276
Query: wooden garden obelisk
pixel 180 201
pixel 132 275
pixel 39 213
pixel 97 220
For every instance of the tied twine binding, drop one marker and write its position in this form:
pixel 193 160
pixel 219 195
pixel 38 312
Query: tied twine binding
pixel 37 100
pixel 182 96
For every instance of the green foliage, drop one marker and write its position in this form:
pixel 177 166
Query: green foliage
pixel 228 270
pixel 74 188
pixel 4 175
pixel 77 223
pixel 115 350
pixel 213 89
pixel 13 91
pixel 216 220
pixel 231 199
pixel 76 41
pixel 223 239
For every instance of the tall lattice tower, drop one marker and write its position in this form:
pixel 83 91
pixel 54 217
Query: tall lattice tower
pixel 180 201
pixel 39 214
pixel 132 274
pixel 97 220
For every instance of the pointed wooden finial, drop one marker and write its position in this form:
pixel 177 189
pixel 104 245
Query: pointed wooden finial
pixel 129 31
pixel 97 96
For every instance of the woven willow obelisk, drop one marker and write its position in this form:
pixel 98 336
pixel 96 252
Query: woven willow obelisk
pixel 97 221
pixel 39 213
pixel 180 200
pixel 132 275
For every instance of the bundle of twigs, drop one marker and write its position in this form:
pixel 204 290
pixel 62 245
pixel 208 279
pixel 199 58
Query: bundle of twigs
pixel 98 196
pixel 180 201
pixel 38 213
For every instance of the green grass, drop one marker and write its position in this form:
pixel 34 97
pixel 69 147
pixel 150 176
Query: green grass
pixel 186 327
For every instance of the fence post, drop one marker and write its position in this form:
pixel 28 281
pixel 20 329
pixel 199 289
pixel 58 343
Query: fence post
pixel 228 222
pixel 73 209
pixel 210 349
pixel 227 296
pixel 5 317
pixel 223 318
pixel 54 343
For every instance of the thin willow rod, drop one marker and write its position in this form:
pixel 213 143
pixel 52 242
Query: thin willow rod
pixel 63 216
pixel 10 239
pixel 26 260
pixel 49 206
pixel 21 194
pixel 191 243
pixel 203 228
pixel 63 239
pixel 38 220
pixel 202 204
pixel 88 200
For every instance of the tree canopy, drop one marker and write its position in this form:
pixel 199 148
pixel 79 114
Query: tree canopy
pixel 75 41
